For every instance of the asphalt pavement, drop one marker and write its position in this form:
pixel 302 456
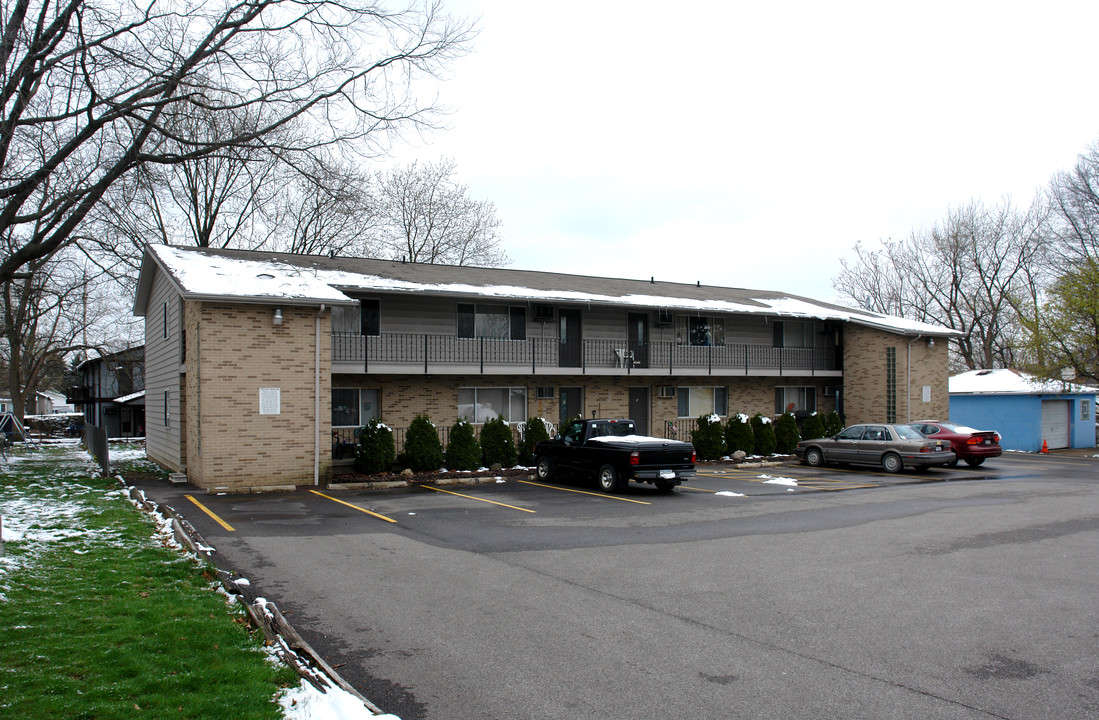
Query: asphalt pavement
pixel 780 591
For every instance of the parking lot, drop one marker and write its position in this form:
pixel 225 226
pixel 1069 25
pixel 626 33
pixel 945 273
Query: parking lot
pixel 782 591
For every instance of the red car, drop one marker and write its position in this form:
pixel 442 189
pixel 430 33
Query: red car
pixel 972 446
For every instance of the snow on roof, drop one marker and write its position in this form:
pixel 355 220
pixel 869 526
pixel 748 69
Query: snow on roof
pixel 279 276
pixel 203 275
pixel 127 398
pixel 1010 382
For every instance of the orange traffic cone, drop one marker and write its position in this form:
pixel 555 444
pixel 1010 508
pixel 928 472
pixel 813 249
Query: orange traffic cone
pixel 1045 447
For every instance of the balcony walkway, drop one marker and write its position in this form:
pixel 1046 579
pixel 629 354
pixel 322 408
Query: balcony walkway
pixel 403 353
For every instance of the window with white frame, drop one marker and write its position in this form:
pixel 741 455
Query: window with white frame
pixel 700 331
pixel 354 407
pixel 794 399
pixel 363 318
pixel 698 401
pixel 479 405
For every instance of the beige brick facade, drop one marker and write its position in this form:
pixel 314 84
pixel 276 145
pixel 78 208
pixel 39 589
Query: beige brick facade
pixel 234 352
pixel 873 383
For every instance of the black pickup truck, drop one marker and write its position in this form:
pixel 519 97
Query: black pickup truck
pixel 614 452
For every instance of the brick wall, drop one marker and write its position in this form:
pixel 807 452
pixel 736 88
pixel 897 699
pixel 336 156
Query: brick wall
pixel 232 352
pixel 866 381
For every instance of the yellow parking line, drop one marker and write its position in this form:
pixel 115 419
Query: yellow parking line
pixel 355 507
pixel 209 512
pixel 584 492
pixel 697 489
pixel 471 497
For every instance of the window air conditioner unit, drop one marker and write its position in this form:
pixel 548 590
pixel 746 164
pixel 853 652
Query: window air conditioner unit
pixel 831 390
pixel 546 392
pixel 543 313
pixel 663 318
pixel 666 391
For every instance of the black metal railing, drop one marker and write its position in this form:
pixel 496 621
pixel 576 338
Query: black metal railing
pixel 420 352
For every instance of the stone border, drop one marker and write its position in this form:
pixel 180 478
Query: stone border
pixel 287 643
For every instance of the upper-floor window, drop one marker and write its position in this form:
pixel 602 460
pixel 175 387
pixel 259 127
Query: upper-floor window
pixel 492 321
pixel 165 319
pixel 700 331
pixel 364 318
pixel 794 333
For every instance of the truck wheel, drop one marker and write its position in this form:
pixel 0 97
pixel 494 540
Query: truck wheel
pixel 814 457
pixel 608 478
pixel 665 485
pixel 892 463
pixel 544 469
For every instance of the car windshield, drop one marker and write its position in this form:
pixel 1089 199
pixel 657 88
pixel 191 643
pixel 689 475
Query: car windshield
pixel 907 432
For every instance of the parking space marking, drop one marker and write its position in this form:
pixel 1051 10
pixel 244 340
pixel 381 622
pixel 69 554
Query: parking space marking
pixel 471 497
pixel 210 512
pixel 585 492
pixel 355 507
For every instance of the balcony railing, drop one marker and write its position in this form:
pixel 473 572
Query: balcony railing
pixel 426 353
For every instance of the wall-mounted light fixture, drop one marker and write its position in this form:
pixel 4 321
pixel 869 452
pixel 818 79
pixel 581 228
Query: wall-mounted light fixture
pixel 930 342
pixel 277 320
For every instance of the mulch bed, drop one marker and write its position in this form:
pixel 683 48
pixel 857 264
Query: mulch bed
pixel 428 477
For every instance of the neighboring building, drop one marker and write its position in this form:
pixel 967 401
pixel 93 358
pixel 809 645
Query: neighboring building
pixel 1025 410
pixel 111 394
pixel 260 366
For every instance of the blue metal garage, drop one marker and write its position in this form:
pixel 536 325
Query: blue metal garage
pixel 1025 410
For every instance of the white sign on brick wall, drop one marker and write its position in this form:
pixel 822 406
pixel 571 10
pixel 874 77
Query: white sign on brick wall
pixel 270 401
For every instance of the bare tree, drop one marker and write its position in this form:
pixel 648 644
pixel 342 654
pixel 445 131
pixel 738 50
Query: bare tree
pixel 966 274
pixel 89 92
pixel 427 216
pixel 325 208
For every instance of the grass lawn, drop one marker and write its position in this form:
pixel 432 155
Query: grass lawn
pixel 101 618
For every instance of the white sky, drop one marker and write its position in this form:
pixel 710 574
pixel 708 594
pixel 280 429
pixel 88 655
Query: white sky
pixel 751 144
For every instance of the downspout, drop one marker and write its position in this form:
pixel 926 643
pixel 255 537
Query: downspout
pixel 908 379
pixel 317 398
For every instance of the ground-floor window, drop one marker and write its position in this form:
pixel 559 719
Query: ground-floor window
pixel 698 401
pixel 795 399
pixel 479 405
pixel 354 407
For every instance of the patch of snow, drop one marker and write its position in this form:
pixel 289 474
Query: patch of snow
pixel 305 702
pixel 769 480
pixel 727 493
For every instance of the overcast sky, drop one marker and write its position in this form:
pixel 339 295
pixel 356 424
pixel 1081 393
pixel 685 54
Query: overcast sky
pixel 751 144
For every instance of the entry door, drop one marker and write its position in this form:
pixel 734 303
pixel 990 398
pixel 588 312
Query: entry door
pixel 568 326
pixel 1055 423
pixel 639 409
pixel 638 341
pixel 571 404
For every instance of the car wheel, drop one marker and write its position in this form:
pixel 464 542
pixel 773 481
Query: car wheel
pixel 814 457
pixel 892 463
pixel 664 486
pixel 952 463
pixel 543 468
pixel 608 478
pixel 975 462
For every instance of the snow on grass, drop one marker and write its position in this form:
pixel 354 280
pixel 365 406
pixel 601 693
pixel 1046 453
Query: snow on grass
pixel 305 702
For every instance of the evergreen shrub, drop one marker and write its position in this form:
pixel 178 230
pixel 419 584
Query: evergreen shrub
pixel 376 450
pixel 813 427
pixel 764 432
pixel 422 449
pixel 786 433
pixel 463 452
pixel 709 438
pixel 738 434
pixel 833 424
pixel 535 433
pixel 497 445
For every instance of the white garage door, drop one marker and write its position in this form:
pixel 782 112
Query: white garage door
pixel 1055 423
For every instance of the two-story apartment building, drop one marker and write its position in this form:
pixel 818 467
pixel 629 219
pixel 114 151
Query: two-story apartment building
pixel 259 366
pixel 111 392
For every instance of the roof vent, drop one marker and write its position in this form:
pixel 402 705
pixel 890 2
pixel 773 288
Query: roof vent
pixel 984 372
pixel 265 276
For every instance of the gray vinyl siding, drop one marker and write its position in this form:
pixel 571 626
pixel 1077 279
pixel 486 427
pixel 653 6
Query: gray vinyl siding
pixel 162 372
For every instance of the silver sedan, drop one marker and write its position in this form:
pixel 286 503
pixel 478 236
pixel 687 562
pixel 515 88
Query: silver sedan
pixel 893 447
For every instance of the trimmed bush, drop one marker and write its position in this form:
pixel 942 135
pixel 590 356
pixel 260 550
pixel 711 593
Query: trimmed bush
pixel 739 435
pixel 786 433
pixel 764 431
pixel 376 450
pixel 422 450
pixel 709 438
pixel 813 427
pixel 833 424
pixel 535 433
pixel 497 445
pixel 463 452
